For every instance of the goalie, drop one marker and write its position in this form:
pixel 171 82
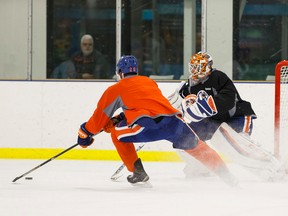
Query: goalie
pixel 214 109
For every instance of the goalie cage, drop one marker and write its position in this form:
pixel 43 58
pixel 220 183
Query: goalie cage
pixel 281 110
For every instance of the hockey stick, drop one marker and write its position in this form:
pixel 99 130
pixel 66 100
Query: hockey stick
pixel 40 165
pixel 116 175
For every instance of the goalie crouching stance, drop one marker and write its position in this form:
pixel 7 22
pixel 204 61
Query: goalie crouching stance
pixel 214 109
pixel 148 117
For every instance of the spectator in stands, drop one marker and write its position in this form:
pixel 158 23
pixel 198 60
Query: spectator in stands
pixel 89 63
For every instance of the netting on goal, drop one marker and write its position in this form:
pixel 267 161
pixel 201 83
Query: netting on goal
pixel 281 110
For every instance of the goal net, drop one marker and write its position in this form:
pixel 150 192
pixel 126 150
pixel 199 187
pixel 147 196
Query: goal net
pixel 281 110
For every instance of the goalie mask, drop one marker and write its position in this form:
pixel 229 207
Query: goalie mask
pixel 127 65
pixel 200 66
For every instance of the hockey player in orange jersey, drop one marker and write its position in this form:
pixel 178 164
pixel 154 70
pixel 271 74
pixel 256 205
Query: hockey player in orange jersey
pixel 148 116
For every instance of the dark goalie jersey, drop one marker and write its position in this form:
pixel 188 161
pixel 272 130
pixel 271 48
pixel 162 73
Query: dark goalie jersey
pixel 227 99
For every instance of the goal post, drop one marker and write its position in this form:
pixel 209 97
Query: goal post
pixel 281 110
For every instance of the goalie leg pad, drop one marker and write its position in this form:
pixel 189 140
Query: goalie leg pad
pixel 244 152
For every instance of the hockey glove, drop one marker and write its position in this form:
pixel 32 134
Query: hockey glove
pixel 85 138
pixel 195 108
pixel 206 104
pixel 113 121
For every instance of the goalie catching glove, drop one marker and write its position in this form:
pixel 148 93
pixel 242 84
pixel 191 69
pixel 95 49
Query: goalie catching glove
pixel 85 138
pixel 195 108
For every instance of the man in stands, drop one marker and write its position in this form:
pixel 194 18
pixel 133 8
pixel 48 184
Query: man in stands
pixel 89 63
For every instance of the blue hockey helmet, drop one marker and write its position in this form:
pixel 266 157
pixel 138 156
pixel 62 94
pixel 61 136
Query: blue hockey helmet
pixel 127 64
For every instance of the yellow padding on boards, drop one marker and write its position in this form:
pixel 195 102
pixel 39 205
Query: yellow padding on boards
pixel 82 154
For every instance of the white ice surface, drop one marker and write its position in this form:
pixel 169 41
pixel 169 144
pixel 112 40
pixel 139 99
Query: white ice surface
pixel 84 188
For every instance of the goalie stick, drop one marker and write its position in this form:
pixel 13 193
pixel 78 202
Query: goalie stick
pixel 117 173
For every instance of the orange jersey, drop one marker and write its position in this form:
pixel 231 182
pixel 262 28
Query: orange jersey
pixel 138 96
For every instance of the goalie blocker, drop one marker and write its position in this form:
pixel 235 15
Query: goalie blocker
pixel 195 108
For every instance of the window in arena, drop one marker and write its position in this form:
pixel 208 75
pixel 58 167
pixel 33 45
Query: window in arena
pixel 151 30
pixel 154 31
pixel 162 34
pixel 260 37
pixel 67 22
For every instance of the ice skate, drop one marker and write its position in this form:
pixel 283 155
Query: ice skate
pixel 194 172
pixel 275 174
pixel 139 175
pixel 226 176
